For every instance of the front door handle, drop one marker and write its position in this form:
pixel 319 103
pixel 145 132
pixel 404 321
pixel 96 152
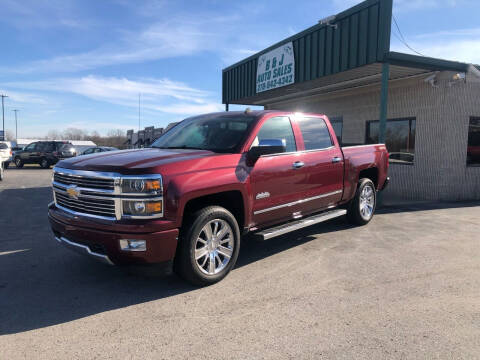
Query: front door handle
pixel 298 164
pixel 336 159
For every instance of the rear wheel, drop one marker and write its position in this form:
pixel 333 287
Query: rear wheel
pixel 6 164
pixel 44 164
pixel 362 207
pixel 18 163
pixel 208 247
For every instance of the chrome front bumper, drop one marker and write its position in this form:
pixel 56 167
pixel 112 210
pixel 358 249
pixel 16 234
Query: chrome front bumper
pixel 84 250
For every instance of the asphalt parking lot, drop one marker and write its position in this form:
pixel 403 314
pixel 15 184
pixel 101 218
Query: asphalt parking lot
pixel 405 286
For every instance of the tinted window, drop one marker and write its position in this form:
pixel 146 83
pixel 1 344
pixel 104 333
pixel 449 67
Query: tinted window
pixel 277 128
pixel 473 148
pixel 399 138
pixel 315 133
pixel 48 147
pixel 30 147
pixel 88 151
pixel 219 133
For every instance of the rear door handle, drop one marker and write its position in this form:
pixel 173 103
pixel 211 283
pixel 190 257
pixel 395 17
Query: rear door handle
pixel 298 164
pixel 336 159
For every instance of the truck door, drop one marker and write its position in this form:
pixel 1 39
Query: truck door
pixel 323 164
pixel 274 179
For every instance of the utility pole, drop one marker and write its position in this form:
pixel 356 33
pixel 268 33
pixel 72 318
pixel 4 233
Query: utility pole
pixel 3 115
pixel 138 111
pixel 16 127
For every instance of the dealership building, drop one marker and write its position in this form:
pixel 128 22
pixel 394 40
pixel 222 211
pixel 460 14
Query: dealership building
pixel 426 110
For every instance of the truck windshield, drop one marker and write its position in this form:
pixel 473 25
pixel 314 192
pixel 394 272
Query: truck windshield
pixel 218 133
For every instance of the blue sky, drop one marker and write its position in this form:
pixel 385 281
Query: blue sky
pixel 82 63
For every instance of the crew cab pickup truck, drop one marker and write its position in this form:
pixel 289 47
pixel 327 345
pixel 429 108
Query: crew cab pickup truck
pixel 207 182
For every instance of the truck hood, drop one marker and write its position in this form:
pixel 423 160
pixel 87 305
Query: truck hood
pixel 132 161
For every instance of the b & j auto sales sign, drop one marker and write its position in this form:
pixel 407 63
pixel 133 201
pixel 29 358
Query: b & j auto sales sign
pixel 276 68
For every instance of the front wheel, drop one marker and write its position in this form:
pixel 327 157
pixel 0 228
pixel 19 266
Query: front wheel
pixel 362 207
pixel 44 164
pixel 208 246
pixel 18 163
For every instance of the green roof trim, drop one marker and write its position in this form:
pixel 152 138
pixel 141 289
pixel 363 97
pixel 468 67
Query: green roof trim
pixel 422 62
pixel 360 36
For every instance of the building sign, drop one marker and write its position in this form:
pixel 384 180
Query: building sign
pixel 276 68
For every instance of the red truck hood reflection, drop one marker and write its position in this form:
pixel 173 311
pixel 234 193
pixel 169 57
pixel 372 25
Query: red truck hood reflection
pixel 132 161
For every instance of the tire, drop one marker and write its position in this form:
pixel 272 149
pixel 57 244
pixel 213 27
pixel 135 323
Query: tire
pixel 361 208
pixel 44 163
pixel 6 164
pixel 18 163
pixel 194 241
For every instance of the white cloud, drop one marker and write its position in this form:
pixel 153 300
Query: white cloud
pixel 159 95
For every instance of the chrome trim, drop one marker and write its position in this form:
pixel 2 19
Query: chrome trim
pixel 297 202
pixel 300 224
pixel 115 195
pixel 83 249
pixel 76 213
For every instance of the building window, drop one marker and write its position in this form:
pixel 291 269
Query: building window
pixel 315 133
pixel 399 138
pixel 473 147
pixel 337 124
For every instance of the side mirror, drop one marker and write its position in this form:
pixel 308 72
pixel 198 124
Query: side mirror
pixel 266 147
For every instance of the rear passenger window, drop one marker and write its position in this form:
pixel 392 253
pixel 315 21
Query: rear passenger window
pixel 315 133
pixel 277 128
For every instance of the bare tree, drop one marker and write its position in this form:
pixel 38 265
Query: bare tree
pixel 9 136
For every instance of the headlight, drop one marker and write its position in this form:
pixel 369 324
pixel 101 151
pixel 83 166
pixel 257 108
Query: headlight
pixel 142 208
pixel 141 186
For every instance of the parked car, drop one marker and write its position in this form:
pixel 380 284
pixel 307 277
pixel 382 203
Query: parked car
pixel 207 182
pixel 45 153
pixel 5 156
pixel 98 149
pixel 5 153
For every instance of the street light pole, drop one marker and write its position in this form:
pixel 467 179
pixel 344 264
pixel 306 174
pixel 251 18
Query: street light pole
pixel 16 127
pixel 3 115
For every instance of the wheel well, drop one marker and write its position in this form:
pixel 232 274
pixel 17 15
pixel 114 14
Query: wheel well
pixel 370 173
pixel 230 200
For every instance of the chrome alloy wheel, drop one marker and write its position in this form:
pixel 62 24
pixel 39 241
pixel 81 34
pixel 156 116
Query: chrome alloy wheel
pixel 214 247
pixel 367 202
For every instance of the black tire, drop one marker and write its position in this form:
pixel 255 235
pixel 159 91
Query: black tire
pixel 6 164
pixel 354 209
pixel 18 163
pixel 185 264
pixel 44 163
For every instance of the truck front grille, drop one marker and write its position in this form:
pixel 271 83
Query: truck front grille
pixel 84 205
pixel 84 181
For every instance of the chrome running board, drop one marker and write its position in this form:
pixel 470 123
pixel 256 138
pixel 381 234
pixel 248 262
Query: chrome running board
pixel 299 224
pixel 83 249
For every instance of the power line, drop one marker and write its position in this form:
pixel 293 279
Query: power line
pixel 402 39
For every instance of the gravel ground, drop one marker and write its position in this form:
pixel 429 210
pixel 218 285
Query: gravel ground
pixel 405 286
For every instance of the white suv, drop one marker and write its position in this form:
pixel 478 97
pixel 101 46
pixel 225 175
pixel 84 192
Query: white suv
pixel 5 156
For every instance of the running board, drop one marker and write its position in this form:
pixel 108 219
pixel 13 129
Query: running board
pixel 299 224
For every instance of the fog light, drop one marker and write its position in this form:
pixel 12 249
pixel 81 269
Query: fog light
pixel 133 245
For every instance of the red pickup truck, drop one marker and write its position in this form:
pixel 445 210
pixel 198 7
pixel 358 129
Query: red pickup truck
pixel 207 182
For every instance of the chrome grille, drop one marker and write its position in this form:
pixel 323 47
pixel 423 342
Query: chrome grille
pixel 87 205
pixel 84 181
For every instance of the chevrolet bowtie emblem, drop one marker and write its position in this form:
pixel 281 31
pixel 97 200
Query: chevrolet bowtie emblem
pixel 73 192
